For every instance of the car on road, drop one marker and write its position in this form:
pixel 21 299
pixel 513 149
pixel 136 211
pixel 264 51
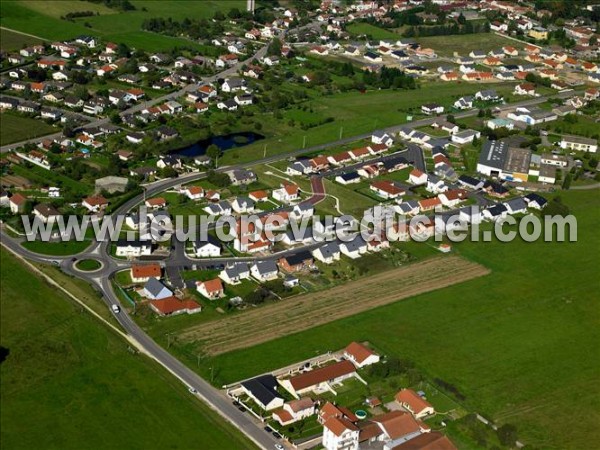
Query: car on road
pixel 242 409
pixel 277 435
pixel 192 390
pixel 115 309
pixel 268 429
pixel 279 447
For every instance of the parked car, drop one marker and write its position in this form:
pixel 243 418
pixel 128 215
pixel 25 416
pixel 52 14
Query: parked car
pixel 116 309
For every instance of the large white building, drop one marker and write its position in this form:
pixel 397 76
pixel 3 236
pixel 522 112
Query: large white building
pixel 579 143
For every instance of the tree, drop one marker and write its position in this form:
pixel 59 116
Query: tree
pixel 274 47
pixel 115 118
pixel 593 41
pixel 567 181
pixel 450 118
pixel 219 16
pixel 507 434
pixel 213 152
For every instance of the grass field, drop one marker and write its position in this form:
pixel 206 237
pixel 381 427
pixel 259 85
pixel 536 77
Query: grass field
pixel 354 113
pixel 463 44
pixel 80 387
pixel 16 128
pixel 11 41
pixel 42 18
pixel 357 29
pixel 57 248
pixel 308 310
pixel 520 343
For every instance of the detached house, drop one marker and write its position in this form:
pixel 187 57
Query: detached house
pixel 360 355
pixel 414 403
pixel 211 289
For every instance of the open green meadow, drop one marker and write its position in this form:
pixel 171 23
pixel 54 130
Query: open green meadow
pixel 464 43
pixel 11 41
pixel 67 382
pixel 355 113
pixel 520 344
pixel 42 18
pixel 375 32
pixel 18 128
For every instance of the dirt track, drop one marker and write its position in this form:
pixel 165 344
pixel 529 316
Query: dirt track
pixel 307 311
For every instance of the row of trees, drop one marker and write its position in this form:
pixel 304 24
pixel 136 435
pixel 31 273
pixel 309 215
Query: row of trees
pixel 446 30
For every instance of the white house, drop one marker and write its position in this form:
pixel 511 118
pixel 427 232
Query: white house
pixel 381 137
pixel 360 355
pixel 417 177
pixel 211 289
pixel 328 253
pixel 208 248
pixel 235 273
pixel 287 193
pixel 264 270
pixel 340 434
pixel 578 143
pixel 355 248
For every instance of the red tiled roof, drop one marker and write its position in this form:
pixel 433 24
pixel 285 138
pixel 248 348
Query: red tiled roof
pixel 322 374
pixel 96 200
pixel 211 286
pixel 156 201
pixel 146 271
pixel 339 425
pixel 172 304
pixel 358 351
pixel 413 400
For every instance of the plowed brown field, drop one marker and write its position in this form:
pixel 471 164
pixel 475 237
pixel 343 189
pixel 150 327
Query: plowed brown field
pixel 306 311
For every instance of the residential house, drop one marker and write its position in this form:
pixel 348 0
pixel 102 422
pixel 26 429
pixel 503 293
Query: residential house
pixel 263 391
pixel 360 355
pixel 265 270
pixel 327 253
pixel 414 403
pixel 355 248
pixel 155 290
pixel 210 289
pixel 46 213
pixel 141 273
pixel 207 248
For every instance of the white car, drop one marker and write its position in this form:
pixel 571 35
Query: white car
pixel 115 309
pixel 279 447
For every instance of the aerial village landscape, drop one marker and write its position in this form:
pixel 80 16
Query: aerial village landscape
pixel 364 134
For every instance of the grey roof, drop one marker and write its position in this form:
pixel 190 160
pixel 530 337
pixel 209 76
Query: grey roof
pixel 306 234
pixel 199 243
pixel 236 269
pixel 355 244
pixel 489 93
pixel 493 154
pixel 496 210
pixel 349 176
pixel 263 388
pixel 408 206
pixel 329 249
pixel 516 204
pixel 468 180
pixel 266 266
pixel 533 197
pixel 155 287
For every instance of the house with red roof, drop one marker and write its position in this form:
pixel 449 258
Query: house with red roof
pixel 387 189
pixel 95 203
pixel 360 355
pixel 156 203
pixel 414 403
pixel 295 410
pixel 172 306
pixel 211 289
pixel 287 193
pixel 140 273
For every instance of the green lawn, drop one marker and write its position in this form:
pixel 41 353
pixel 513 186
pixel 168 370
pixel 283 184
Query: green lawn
pixel 374 32
pixel 11 41
pixel 355 113
pixel 88 265
pixel 69 383
pixel 42 18
pixel 16 128
pixel 463 44
pixel 519 344
pixel 57 248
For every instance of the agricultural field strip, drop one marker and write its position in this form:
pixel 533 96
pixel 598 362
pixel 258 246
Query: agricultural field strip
pixel 310 310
